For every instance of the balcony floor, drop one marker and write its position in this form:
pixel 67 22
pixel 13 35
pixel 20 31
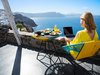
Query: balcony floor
pixel 15 60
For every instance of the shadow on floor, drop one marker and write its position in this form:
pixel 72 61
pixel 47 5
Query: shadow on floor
pixel 66 69
pixel 92 60
pixel 17 63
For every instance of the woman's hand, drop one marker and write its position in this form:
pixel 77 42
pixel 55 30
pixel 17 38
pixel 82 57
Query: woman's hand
pixel 67 40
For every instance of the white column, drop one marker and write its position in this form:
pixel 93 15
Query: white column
pixel 11 20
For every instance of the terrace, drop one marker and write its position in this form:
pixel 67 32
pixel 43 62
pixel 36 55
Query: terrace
pixel 19 57
pixel 21 60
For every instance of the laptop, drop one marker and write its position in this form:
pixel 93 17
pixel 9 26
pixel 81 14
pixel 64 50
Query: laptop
pixel 68 32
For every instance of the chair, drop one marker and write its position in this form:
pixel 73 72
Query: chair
pixel 82 50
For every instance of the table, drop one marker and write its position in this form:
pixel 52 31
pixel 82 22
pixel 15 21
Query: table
pixel 22 33
pixel 46 40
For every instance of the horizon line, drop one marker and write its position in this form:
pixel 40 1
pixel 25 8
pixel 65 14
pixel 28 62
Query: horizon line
pixel 52 12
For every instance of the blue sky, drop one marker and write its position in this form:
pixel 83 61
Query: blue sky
pixel 62 6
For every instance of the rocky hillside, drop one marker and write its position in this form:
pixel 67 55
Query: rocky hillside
pixel 27 22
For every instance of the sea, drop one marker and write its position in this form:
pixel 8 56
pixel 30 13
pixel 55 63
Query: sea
pixel 60 22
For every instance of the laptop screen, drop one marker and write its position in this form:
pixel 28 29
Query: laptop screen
pixel 68 31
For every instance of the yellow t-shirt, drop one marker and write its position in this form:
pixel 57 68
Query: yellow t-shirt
pixel 82 36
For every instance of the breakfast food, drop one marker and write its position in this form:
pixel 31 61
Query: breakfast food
pixel 56 29
pixel 54 33
pixel 46 31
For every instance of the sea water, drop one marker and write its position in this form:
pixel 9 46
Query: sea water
pixel 60 22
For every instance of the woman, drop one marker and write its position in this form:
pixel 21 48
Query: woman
pixel 89 33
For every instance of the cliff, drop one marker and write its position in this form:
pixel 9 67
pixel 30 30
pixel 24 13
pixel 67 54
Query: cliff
pixel 27 22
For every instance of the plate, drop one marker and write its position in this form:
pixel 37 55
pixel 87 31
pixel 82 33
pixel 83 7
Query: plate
pixel 55 34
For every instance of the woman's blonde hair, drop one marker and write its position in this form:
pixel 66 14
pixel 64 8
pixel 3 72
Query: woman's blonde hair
pixel 89 21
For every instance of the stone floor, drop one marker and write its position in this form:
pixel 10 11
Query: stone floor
pixel 15 60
